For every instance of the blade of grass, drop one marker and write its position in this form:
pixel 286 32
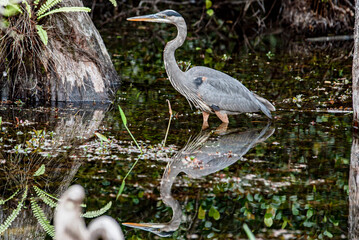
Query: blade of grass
pixel 169 122
pixel 248 232
pixel 124 120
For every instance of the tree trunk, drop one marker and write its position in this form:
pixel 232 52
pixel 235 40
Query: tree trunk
pixel 86 73
pixel 355 70
pixel 354 190
pixel 74 66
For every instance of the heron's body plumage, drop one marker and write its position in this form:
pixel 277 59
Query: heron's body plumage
pixel 225 92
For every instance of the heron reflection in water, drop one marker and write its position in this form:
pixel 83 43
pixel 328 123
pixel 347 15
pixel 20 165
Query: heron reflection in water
pixel 200 158
pixel 207 89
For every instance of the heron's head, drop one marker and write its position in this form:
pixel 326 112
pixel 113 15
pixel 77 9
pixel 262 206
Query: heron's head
pixel 166 16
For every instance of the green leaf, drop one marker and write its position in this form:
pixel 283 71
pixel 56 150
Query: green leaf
pixel 93 214
pixel 123 116
pixel 121 189
pixel 250 197
pixel 6 224
pixel 0 121
pixel 42 34
pixel 295 210
pixel 216 215
pixel 213 212
pixel 268 221
pixel 208 224
pixel 45 197
pixel 210 12
pixel 308 224
pixel 114 3
pixel 41 218
pixel 102 137
pixel 40 171
pixel 208 4
pixel 2 202
pixel 328 234
pixel 65 9
pixel 201 213
pixel 309 213
pixel 284 224
pixel 249 233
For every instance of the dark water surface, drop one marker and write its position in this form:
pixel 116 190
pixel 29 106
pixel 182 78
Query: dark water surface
pixel 285 180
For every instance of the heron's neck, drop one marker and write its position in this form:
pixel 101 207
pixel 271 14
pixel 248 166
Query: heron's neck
pixel 169 176
pixel 171 66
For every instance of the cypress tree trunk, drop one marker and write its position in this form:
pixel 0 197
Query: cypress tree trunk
pixel 353 219
pixel 74 66
pixel 86 73
pixel 355 70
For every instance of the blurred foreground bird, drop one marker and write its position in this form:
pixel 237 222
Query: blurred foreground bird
pixel 207 89
pixel 69 225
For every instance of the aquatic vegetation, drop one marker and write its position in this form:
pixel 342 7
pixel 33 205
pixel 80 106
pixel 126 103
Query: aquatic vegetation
pixel 124 120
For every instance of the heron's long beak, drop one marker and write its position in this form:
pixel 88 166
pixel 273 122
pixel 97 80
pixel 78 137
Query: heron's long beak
pixel 156 228
pixel 149 18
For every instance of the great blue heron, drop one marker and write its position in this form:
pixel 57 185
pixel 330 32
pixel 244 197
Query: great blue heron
pixel 207 89
pixel 70 226
pixel 199 158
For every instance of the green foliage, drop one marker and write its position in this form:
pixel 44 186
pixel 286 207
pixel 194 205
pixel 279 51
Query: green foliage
pixel 248 232
pixel 124 120
pixel 213 212
pixel 102 137
pixel 121 188
pixel 65 9
pixel 40 171
pixel 2 202
pixel 114 3
pixel 210 11
pixel 44 196
pixel 47 6
pixel 201 213
pixel 6 224
pixel 11 9
pixel 41 218
pixel 42 34
pixel 93 214
pixel 123 116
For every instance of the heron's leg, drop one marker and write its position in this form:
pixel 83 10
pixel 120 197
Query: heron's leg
pixel 222 129
pixel 205 120
pixel 222 116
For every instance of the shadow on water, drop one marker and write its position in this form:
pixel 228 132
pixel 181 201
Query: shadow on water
pixel 199 158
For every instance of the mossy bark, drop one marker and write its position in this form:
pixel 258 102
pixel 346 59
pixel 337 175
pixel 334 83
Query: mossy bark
pixel 82 66
pixel 74 66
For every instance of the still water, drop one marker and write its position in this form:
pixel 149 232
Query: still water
pixel 285 179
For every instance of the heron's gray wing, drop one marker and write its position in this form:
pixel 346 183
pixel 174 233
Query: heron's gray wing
pixel 223 91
